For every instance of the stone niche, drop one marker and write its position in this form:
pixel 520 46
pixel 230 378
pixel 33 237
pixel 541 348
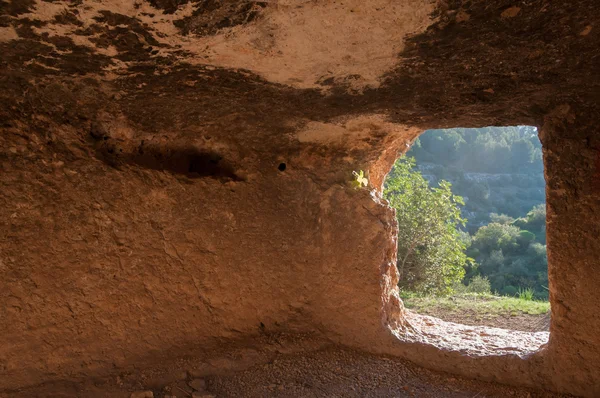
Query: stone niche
pixel 145 212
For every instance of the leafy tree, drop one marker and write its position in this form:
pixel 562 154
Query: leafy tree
pixel 522 154
pixel 511 257
pixel 493 262
pixel 501 218
pixel 504 157
pixel 448 143
pixel 525 238
pixel 509 290
pixel 536 218
pixel 431 251
pixel 499 172
pixel 479 191
pixel 496 236
pixel 479 284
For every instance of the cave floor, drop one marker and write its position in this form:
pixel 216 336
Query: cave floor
pixel 327 372
pixel 343 373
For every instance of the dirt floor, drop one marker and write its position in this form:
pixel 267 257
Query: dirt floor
pixel 327 372
pixel 340 373
pixel 523 322
pixel 494 311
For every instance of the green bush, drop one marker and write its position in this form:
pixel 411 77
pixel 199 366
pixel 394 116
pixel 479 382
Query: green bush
pixel 479 284
pixel 543 295
pixel 431 250
pixel 536 218
pixel 509 290
pixel 505 211
pixel 458 288
pixel 525 238
pixel 501 218
pixel 520 223
pixel 526 294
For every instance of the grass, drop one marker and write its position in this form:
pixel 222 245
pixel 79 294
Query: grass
pixel 525 294
pixel 479 303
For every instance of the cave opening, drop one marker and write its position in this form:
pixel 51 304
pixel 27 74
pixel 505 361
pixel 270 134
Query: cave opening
pixel 471 213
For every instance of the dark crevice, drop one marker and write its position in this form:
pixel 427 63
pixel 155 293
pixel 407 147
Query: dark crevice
pixel 16 7
pixel 188 161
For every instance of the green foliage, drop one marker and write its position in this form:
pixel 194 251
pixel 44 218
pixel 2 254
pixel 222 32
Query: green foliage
pixel 525 238
pixel 359 179
pixel 431 252
pixel 526 294
pixel 536 250
pixel 511 258
pixel 479 284
pixel 501 218
pixel 496 236
pixel 509 290
pixel 499 171
pixel 490 149
pixel 536 218
pixel 496 169
pixel 520 223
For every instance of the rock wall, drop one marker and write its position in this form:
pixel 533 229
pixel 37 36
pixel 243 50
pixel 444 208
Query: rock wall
pixel 175 174
pixel 572 173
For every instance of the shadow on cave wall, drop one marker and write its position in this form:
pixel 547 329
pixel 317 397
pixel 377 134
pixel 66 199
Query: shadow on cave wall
pixel 178 159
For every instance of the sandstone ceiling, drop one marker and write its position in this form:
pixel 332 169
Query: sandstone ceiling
pixel 269 68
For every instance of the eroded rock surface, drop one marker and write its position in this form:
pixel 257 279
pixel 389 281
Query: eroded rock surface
pixel 174 173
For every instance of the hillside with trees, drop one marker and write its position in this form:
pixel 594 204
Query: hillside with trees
pixel 495 169
pixel 471 212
